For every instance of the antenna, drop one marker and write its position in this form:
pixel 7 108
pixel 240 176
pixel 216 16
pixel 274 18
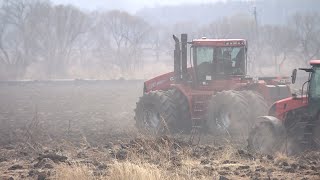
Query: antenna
pixel 255 14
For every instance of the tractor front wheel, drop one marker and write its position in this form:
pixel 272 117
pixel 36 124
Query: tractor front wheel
pixel 267 136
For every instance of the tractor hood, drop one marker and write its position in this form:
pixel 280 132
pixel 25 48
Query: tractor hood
pixel 281 107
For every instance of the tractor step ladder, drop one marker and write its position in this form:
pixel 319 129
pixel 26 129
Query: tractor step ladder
pixel 199 108
pixel 308 125
pixel 198 104
pixel 196 131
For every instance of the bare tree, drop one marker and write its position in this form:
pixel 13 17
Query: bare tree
pixel 13 44
pixel 280 42
pixel 159 41
pixel 127 34
pixel 34 31
pixel 307 29
pixel 66 27
pixel 137 35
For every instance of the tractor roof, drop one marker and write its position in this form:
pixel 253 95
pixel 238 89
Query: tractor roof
pixel 315 62
pixel 219 42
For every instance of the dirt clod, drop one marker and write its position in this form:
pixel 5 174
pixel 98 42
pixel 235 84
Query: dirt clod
pixel 122 154
pixel 15 167
pixel 45 163
pixel 102 166
pixel 229 162
pixel 205 161
pixel 288 169
pixel 3 159
pixel 109 145
pixel 269 157
pixel 42 176
pixel 54 157
pixel 223 178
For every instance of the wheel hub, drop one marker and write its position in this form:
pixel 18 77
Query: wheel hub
pixel 223 120
pixel 151 120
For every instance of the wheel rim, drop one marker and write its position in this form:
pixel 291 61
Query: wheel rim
pixel 223 120
pixel 227 122
pixel 263 140
pixel 151 120
pixel 226 119
pixel 259 140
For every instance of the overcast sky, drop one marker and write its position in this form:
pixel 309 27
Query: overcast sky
pixel 128 5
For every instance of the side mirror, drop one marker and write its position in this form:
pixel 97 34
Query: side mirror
pixel 294 76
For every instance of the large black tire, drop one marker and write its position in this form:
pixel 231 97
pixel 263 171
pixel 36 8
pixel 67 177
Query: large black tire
pixel 267 136
pixel 256 104
pixel 155 113
pixel 228 113
pixel 183 124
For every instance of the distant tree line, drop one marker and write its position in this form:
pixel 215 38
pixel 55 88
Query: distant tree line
pixel 55 38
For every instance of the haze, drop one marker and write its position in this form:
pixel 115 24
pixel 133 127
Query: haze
pixel 78 39
pixel 128 5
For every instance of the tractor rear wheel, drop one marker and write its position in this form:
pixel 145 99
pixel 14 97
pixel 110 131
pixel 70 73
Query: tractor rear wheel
pixel 228 113
pixel 256 104
pixel 155 113
pixel 267 136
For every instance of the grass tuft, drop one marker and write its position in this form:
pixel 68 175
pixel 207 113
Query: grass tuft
pixel 76 171
pixel 128 170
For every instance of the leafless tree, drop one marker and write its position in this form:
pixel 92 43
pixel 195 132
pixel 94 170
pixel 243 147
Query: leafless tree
pixel 280 42
pixel 33 31
pixel 127 34
pixel 15 55
pixel 66 27
pixel 307 29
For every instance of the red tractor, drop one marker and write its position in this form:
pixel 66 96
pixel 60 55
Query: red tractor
pixel 293 124
pixel 214 93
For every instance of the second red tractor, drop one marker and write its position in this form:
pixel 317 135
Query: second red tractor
pixel 293 124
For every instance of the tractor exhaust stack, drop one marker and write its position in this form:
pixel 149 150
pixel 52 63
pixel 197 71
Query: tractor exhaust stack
pixel 177 60
pixel 184 56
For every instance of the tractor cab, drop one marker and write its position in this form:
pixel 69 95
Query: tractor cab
pixel 215 64
pixel 218 58
pixel 314 85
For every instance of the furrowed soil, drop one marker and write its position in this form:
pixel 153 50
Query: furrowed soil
pixel 85 130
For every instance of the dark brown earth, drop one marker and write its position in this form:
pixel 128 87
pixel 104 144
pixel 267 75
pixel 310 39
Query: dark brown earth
pixel 47 125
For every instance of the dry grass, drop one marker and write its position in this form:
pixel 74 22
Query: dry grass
pixel 118 171
pixel 76 171
pixel 229 153
pixel 128 170
pixel 282 158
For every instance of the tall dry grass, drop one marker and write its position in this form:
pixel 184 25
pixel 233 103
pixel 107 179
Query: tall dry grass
pixel 74 172
pixel 128 170
pixel 162 158
pixel 118 171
